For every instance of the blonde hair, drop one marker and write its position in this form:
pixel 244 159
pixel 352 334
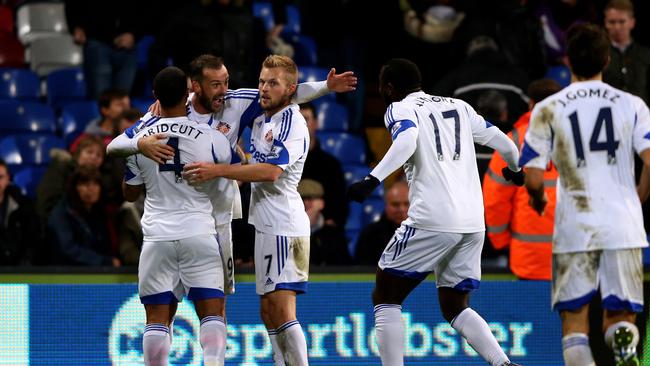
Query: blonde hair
pixel 284 62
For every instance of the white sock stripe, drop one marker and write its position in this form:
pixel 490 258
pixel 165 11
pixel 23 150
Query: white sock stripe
pixel 387 306
pixel 286 325
pixel 156 326
pixel 577 341
pixel 272 331
pixel 213 318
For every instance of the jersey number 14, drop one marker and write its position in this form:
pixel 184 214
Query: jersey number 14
pixel 610 144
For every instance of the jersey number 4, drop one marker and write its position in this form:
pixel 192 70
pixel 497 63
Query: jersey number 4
pixel 452 113
pixel 610 144
pixel 176 166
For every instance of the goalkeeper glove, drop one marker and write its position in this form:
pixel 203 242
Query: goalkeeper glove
pixel 360 190
pixel 517 178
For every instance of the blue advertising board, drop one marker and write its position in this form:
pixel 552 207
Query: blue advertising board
pixel 103 325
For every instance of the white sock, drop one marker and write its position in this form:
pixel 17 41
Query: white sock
pixel 213 340
pixel 576 351
pixel 292 343
pixel 390 333
pixel 155 343
pixel 478 334
pixel 609 335
pixel 278 358
pixel 171 330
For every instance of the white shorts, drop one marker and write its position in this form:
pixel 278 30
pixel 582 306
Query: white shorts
pixel 454 258
pixel 281 263
pixel 168 270
pixel 618 274
pixel 224 236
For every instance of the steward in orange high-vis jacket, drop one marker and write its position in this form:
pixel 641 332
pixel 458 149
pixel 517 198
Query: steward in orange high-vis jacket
pixel 510 220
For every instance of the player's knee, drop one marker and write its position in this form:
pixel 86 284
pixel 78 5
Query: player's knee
pixel 381 297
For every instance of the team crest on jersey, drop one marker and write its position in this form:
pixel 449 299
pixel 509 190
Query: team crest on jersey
pixel 269 136
pixel 223 127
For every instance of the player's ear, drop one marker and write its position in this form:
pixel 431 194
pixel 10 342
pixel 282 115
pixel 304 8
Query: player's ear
pixel 196 87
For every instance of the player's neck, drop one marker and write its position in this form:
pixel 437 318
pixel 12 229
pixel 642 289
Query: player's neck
pixel 200 109
pixel 270 112
pixel 575 78
pixel 173 112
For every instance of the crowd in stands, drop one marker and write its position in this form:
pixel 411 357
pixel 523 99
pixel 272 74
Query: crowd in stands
pixel 74 74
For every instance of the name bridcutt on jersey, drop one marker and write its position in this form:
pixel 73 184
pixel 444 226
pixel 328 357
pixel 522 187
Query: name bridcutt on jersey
pixel 173 209
pixel 282 140
pixel 591 130
pixel 445 160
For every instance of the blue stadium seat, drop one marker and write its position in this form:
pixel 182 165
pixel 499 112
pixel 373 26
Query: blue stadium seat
pixel 29 149
pixel 143 51
pixel 560 73
pixel 75 117
pixel 293 22
pixel 28 179
pixel 142 104
pixel 20 84
pixel 20 116
pixel 65 86
pixel 355 217
pixel 355 172
pixel 333 117
pixel 311 73
pixel 372 210
pixel 348 148
pixel 264 11
pixel 352 236
pixel 305 50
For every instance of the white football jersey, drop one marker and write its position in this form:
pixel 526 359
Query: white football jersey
pixel 444 186
pixel 283 140
pixel 173 209
pixel 591 130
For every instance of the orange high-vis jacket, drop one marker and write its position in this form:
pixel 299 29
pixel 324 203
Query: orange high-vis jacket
pixel 512 222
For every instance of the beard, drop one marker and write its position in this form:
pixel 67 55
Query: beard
pixel 206 102
pixel 281 102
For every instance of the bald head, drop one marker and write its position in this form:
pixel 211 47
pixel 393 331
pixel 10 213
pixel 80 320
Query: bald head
pixel 397 202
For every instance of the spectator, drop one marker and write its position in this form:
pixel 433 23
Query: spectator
pixel 510 220
pixel 19 231
pixel 79 225
pixel 629 66
pixel 112 103
pixel 129 231
pixel 108 32
pixel 128 118
pixel 328 245
pixel 374 237
pixel 51 189
pixel 326 170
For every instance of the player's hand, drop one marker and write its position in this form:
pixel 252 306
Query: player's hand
pixel 152 148
pixel 154 109
pixel 360 190
pixel 538 203
pixel 517 178
pixel 341 83
pixel 197 173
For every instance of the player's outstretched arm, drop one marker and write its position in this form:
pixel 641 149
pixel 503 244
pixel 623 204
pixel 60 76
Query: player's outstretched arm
pixel 338 83
pixel 149 146
pixel 197 173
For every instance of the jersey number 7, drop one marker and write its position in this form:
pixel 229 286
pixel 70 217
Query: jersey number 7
pixel 176 166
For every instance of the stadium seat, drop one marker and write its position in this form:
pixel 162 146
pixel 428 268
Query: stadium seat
pixel 264 11
pixel 12 53
pixel 6 20
pixel 29 149
pixel 142 104
pixel 19 84
pixel 311 73
pixel 372 210
pixel 348 148
pixel 65 86
pixel 37 20
pixel 355 172
pixel 20 116
pixel 560 73
pixel 352 236
pixel 355 217
pixel 75 117
pixel 305 51
pixel 333 117
pixel 143 51
pixel 292 28
pixel 28 179
pixel 54 53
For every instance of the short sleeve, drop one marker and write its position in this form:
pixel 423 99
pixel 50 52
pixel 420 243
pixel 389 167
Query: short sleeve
pixel 132 174
pixel 290 143
pixel 641 125
pixel 482 130
pixel 399 118
pixel 538 142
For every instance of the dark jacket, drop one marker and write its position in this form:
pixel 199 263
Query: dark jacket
pixel 373 239
pixel 329 246
pixel 19 229
pixel 326 170
pixel 81 239
pixel 630 70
